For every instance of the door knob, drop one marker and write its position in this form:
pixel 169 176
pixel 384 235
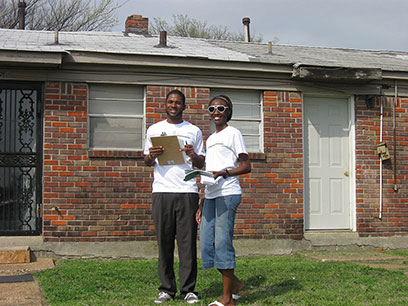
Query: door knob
pixel 346 173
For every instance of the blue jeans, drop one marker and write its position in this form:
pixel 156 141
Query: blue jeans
pixel 217 231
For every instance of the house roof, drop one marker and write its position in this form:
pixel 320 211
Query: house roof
pixel 196 48
pixel 319 56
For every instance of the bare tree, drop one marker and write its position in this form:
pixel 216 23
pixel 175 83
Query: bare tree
pixel 62 15
pixel 189 27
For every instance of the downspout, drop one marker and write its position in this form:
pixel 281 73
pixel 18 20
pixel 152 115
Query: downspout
pixel 394 128
pixel 381 166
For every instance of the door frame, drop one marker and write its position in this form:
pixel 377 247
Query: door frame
pixel 352 154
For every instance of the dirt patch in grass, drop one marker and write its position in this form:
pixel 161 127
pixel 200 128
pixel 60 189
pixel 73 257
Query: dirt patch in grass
pixel 371 258
pixel 357 255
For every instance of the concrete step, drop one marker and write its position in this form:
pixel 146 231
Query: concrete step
pixel 39 264
pixel 16 254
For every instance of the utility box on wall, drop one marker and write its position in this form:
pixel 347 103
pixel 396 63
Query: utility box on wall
pixel 382 150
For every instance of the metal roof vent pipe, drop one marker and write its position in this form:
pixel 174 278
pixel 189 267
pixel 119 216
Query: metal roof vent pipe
pixel 56 37
pixel 163 39
pixel 270 47
pixel 21 15
pixel 246 21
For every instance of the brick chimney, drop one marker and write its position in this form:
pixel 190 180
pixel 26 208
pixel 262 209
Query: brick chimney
pixel 137 24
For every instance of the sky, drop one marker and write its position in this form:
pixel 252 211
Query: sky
pixel 354 24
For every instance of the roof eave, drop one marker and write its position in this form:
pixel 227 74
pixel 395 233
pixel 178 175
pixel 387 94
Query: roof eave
pixel 84 57
pixel 30 57
pixel 336 73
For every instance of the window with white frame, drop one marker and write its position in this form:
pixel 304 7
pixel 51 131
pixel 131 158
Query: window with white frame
pixel 246 115
pixel 115 117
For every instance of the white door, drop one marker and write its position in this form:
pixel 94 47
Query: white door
pixel 327 185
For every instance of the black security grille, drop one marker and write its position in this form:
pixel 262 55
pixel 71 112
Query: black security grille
pixel 20 159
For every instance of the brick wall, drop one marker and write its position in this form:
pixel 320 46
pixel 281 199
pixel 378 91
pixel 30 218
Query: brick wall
pixel 106 195
pixel 98 195
pixel 273 193
pixel 394 219
pixel 87 195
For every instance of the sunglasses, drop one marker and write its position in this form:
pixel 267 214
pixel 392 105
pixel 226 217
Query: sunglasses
pixel 220 108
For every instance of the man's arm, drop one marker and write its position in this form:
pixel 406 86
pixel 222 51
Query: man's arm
pixel 197 160
pixel 150 159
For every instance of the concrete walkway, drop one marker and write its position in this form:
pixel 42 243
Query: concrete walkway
pixel 18 287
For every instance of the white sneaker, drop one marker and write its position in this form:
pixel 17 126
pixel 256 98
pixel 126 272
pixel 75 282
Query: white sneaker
pixel 163 297
pixel 191 298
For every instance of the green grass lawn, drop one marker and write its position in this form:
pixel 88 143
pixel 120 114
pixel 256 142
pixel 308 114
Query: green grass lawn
pixel 271 281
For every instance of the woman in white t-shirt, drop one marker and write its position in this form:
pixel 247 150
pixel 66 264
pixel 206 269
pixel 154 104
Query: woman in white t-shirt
pixel 226 158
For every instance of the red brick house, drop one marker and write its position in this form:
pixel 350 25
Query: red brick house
pixel 327 131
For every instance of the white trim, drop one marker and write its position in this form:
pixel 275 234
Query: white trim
pixel 352 165
pixel 144 124
pixel 88 120
pixel 114 149
pixel 302 95
pixel 115 116
pixel 141 116
pixel 352 154
pixel 110 99
pixel 247 119
pixel 262 124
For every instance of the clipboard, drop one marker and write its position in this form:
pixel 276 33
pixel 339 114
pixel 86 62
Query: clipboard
pixel 172 154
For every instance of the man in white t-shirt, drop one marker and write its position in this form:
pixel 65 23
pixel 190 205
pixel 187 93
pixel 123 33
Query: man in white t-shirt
pixel 174 201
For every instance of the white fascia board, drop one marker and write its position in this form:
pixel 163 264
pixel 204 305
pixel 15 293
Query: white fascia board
pixel 29 57
pixel 172 61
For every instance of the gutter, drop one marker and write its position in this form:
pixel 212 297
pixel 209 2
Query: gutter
pixel 85 57
pixel 31 57
pixel 343 74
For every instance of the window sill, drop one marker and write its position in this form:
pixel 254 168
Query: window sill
pixel 115 154
pixel 140 154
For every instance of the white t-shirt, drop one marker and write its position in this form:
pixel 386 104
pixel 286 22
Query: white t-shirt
pixel 169 178
pixel 223 149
